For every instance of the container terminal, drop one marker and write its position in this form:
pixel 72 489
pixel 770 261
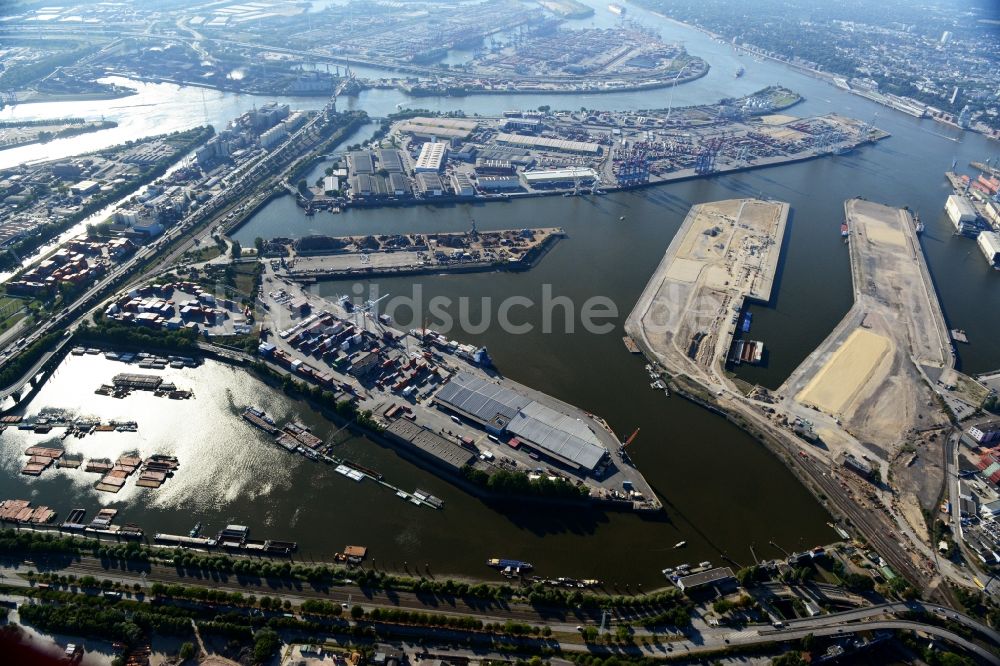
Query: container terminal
pixel 533 153
pixel 441 402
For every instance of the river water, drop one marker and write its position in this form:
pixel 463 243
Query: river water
pixel 722 490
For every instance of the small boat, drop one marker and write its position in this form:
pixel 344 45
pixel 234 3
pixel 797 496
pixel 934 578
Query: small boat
pixel 621 218
pixel 740 72
pixel 706 563
pixel 680 544
pixel 512 565
pixel 195 530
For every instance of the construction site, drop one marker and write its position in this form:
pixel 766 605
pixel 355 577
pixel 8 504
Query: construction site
pixel 724 253
pixel 323 257
pixel 870 376
pixel 863 404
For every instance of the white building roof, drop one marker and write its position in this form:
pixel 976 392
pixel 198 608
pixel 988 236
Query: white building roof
pixel 431 157
pixel 547 142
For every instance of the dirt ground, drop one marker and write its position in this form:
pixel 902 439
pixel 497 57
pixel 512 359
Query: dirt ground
pixel 924 478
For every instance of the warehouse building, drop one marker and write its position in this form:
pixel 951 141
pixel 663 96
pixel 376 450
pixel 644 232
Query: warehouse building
pixel 430 184
pixel 498 183
pixel 548 143
pixel 398 185
pixel 961 212
pixel 989 243
pixel 720 577
pixel 360 161
pixel 390 160
pixel 432 156
pixel 561 438
pixel 462 185
pixel 453 130
pixel 548 177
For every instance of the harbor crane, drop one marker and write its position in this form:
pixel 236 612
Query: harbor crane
pixel 370 310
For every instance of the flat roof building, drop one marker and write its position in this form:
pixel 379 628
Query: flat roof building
pixel 360 161
pixel 452 129
pixel 989 243
pixel 431 445
pixel 390 160
pixel 432 156
pixel 720 576
pixel 85 187
pixel 462 185
pixel 564 175
pixel 558 436
pixel 498 183
pixel 430 183
pixel 399 185
pixel 548 143
pixel 960 210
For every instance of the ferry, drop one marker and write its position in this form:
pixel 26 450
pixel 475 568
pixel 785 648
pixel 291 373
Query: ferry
pixel 514 565
pixel 680 544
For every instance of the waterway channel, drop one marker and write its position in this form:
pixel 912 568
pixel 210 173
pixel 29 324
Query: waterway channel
pixel 722 490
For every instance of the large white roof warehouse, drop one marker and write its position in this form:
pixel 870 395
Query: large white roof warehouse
pixel 557 435
pixel 543 142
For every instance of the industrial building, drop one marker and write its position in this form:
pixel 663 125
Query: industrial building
pixel 390 160
pixel 430 184
pixel 398 185
pixel 453 130
pixel 430 445
pixel 272 137
pixel 721 577
pixel 360 161
pixel 547 143
pixel 989 243
pixel 543 177
pixel 560 438
pixel 986 433
pixel 432 156
pixel 960 211
pixel 462 185
pixel 498 183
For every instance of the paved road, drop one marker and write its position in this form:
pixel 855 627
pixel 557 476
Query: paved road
pixel 700 638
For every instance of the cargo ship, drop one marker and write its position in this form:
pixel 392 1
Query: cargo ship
pixel 616 9
pixel 747 351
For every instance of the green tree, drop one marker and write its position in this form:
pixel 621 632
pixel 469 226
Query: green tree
pixel 236 250
pixel 187 651
pixel 265 644
pixel 258 243
pixel 357 612
pixel 303 186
